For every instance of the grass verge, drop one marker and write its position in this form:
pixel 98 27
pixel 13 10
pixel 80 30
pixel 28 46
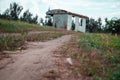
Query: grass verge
pixel 10 26
pixel 95 56
pixel 44 36
pixel 103 54
pixel 11 42
pixel 15 42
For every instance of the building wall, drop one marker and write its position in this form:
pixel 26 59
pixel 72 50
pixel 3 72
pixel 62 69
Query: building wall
pixel 83 27
pixel 60 20
pixel 69 23
pixel 65 21
pixel 78 26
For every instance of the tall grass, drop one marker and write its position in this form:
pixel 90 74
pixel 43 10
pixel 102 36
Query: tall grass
pixel 15 42
pixel 43 36
pixel 102 57
pixel 18 26
pixel 11 42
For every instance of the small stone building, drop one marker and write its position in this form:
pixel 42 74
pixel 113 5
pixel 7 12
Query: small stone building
pixel 67 20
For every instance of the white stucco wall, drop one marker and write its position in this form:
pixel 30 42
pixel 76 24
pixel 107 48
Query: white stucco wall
pixel 60 20
pixel 83 27
pixel 69 23
pixel 78 23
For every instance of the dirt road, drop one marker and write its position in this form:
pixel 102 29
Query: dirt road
pixel 32 63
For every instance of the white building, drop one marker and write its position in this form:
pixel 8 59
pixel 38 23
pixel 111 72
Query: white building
pixel 68 20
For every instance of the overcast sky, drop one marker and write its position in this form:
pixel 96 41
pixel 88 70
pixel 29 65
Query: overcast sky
pixel 90 8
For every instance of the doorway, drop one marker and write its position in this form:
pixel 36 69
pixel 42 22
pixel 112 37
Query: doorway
pixel 73 23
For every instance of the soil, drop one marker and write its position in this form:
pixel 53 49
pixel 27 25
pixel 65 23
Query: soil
pixel 35 63
pixel 29 33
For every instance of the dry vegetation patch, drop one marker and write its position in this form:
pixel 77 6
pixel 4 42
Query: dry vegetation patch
pixel 70 50
pixel 94 57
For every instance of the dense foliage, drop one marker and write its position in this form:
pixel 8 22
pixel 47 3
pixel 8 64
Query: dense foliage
pixel 14 11
pixel 113 25
pixel 94 25
pixel 27 16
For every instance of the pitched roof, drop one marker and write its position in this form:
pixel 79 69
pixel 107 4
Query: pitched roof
pixel 60 11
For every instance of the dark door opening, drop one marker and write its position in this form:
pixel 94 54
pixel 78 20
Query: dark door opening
pixel 73 23
pixel 73 26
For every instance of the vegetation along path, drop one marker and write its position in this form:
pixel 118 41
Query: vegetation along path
pixel 36 61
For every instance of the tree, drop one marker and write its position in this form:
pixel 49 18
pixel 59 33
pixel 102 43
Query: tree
pixel 48 20
pixel 113 26
pixel 27 16
pixel 49 23
pixel 34 20
pixel 0 15
pixel 15 11
pixel 87 25
pixel 99 24
pixel 6 14
pixel 42 21
pixel 106 25
pixel 93 25
pixel 106 20
pixel 45 22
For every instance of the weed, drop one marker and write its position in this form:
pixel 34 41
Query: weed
pixel 101 65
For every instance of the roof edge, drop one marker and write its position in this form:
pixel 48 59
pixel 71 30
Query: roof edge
pixel 65 12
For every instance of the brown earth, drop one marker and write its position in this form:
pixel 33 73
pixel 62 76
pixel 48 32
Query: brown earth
pixel 36 63
pixel 71 50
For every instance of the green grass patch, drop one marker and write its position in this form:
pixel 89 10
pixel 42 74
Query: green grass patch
pixel 18 26
pixel 102 57
pixel 103 42
pixel 12 42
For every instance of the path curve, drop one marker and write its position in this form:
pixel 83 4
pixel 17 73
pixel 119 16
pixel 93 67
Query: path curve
pixel 34 62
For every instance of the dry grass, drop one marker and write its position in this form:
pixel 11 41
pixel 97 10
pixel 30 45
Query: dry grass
pixel 44 36
pixel 14 42
pixel 11 42
pixel 67 71
pixel 95 56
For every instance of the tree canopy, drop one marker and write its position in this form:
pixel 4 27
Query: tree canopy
pixel 113 25
pixel 94 25
pixel 13 13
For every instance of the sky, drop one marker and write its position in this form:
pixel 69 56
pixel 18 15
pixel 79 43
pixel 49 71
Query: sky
pixel 91 8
